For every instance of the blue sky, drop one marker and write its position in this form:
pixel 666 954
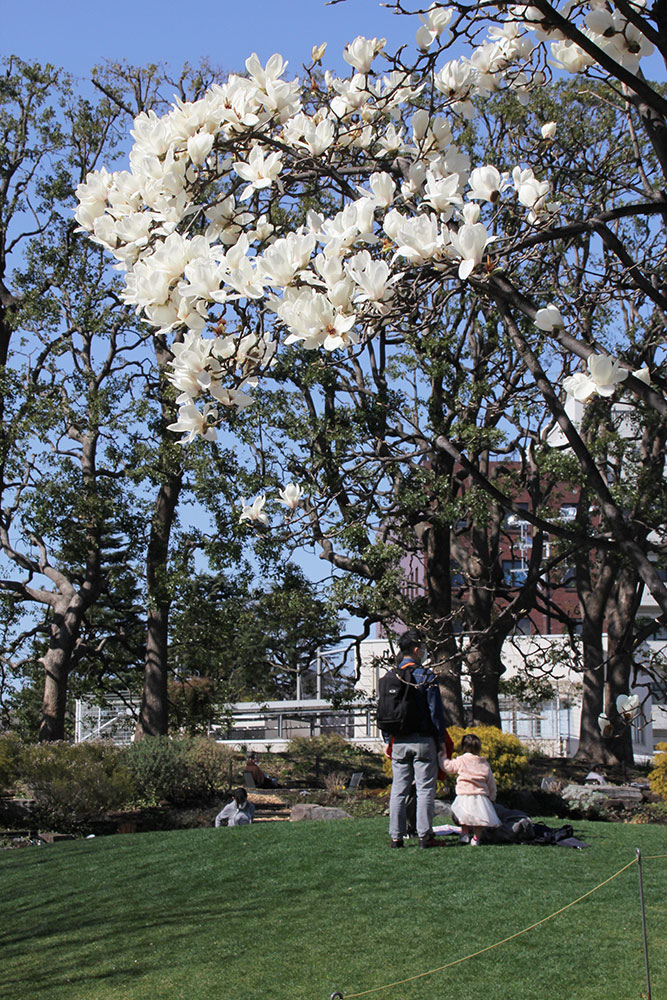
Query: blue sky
pixel 77 35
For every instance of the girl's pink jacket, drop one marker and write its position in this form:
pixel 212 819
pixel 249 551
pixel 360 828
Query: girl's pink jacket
pixel 474 776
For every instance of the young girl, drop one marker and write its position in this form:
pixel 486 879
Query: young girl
pixel 475 790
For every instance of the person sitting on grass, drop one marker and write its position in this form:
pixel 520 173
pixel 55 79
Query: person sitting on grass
pixel 475 790
pixel 239 812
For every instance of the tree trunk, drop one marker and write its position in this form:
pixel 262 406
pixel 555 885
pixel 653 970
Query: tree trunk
pixel 57 664
pixel 154 714
pixel 435 541
pixel 621 610
pixel 593 598
pixel 52 725
pixel 486 668
pixel 447 666
pixel 590 739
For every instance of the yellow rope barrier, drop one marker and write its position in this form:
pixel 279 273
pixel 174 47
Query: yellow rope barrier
pixel 431 972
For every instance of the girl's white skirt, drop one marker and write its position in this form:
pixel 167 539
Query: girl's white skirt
pixel 474 810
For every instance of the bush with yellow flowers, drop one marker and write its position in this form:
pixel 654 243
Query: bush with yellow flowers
pixel 658 776
pixel 506 754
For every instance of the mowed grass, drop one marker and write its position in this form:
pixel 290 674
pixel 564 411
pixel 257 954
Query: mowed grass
pixel 297 911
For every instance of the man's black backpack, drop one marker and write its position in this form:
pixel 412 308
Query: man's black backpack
pixel 398 711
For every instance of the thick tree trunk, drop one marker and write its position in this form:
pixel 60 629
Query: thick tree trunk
pixel 154 713
pixel 593 597
pixel 447 666
pixel 435 541
pixel 486 668
pixel 591 747
pixel 52 725
pixel 57 664
pixel 621 610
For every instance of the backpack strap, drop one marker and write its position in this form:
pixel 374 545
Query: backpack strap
pixel 415 684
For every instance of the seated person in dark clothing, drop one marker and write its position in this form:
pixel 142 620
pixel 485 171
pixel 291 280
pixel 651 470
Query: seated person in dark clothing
pixel 261 779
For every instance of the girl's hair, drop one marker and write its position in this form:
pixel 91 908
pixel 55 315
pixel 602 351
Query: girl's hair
pixel 240 797
pixel 471 743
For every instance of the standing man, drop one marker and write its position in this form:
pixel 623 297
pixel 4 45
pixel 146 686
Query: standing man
pixel 414 753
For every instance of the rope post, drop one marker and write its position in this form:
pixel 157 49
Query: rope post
pixel 643 909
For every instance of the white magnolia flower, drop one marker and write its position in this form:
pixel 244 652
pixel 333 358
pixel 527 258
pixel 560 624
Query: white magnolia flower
pixel 192 366
pixel 417 238
pixel 470 241
pixel 230 397
pixel 362 51
pixel 286 257
pixel 318 52
pixel 570 57
pixel 487 183
pixel 193 423
pixel 627 706
pixel 260 170
pixel 264 75
pixel 291 495
pixel 254 512
pixel 313 320
pixel 605 375
pixel 456 79
pixel 383 187
pixel 549 130
pixel 391 140
pixel 530 192
pixel 549 318
pixel 372 276
pixel 92 195
pixel 414 180
pixel 199 146
pixel 433 24
pixel 354 223
pixel 443 193
pixel 604 725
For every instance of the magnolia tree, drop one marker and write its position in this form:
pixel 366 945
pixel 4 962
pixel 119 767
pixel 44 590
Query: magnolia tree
pixel 312 212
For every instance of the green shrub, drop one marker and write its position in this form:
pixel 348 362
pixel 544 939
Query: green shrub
pixel 311 759
pixel 658 776
pixel 159 766
pixel 213 766
pixel 10 761
pixel 72 784
pixel 506 754
pixel 178 771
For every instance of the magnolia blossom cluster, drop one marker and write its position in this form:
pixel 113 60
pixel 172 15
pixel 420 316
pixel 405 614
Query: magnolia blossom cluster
pixel 604 375
pixel 506 56
pixel 255 513
pixel 190 220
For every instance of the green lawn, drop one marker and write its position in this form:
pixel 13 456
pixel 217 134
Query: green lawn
pixel 296 911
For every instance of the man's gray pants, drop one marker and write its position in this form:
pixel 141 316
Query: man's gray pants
pixel 413 759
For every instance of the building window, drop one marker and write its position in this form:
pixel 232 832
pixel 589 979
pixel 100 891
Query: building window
pixel 515 572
